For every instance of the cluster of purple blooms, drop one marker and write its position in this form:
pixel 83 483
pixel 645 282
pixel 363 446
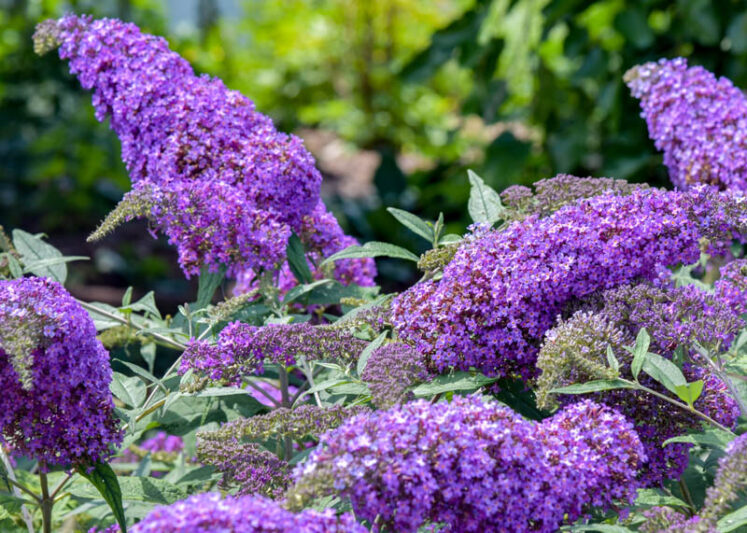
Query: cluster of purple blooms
pixel 574 351
pixel 211 172
pixel 62 412
pixel 474 465
pixel 245 466
pixel 504 289
pixel 242 349
pixel 210 512
pixel 390 371
pixel 696 119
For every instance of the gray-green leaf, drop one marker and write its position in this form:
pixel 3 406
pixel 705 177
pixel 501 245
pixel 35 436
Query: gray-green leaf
pixel 593 386
pixel 484 202
pixel 664 371
pixel 372 249
pixel 33 249
pixel 367 351
pixel 458 381
pixel 413 222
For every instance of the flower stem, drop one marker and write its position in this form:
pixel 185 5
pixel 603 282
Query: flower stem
pixel 682 406
pixel 285 400
pixel 47 503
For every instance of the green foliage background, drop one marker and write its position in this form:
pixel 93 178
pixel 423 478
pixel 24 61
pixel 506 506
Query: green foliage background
pixel 517 90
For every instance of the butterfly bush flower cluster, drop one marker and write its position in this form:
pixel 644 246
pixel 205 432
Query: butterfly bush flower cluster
pixel 54 375
pixel 474 465
pixel 207 169
pixel 504 289
pixel 575 351
pixel 209 512
pixel 696 119
pixel 729 485
pixel 242 349
pixel 390 372
pixel 553 193
pixel 245 466
pixel 731 288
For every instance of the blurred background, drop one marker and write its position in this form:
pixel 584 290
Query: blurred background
pixel 395 99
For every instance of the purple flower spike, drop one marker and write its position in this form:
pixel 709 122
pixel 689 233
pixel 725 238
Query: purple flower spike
pixel 217 177
pixel 504 289
pixel 54 375
pixel 696 119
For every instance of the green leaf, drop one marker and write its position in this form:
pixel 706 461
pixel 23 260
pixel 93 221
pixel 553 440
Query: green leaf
pixel 655 498
pixel 136 488
pixel 664 371
pixel 484 203
pixel 612 360
pixel 458 381
pixel 33 249
pixel 127 297
pixel 372 249
pixel 15 267
pixel 733 520
pixel 689 393
pixel 140 371
pixel 601 528
pixel 36 266
pixel 297 259
pixel 213 392
pixel 107 484
pixel 130 390
pixel 593 386
pixel 640 352
pixel 296 292
pixel 711 438
pixel 368 350
pixel 146 304
pixel 208 284
pixel 414 223
pixel 450 238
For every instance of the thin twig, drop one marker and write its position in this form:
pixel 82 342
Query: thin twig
pixel 61 484
pixel 682 406
pixel 264 393
pixel 92 308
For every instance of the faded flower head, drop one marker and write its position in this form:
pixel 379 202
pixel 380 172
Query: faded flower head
pixel 696 119
pixel 473 465
pixel 242 349
pixel 210 512
pixel 300 423
pixel 553 193
pixel 575 351
pixel 390 371
pixel 55 376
